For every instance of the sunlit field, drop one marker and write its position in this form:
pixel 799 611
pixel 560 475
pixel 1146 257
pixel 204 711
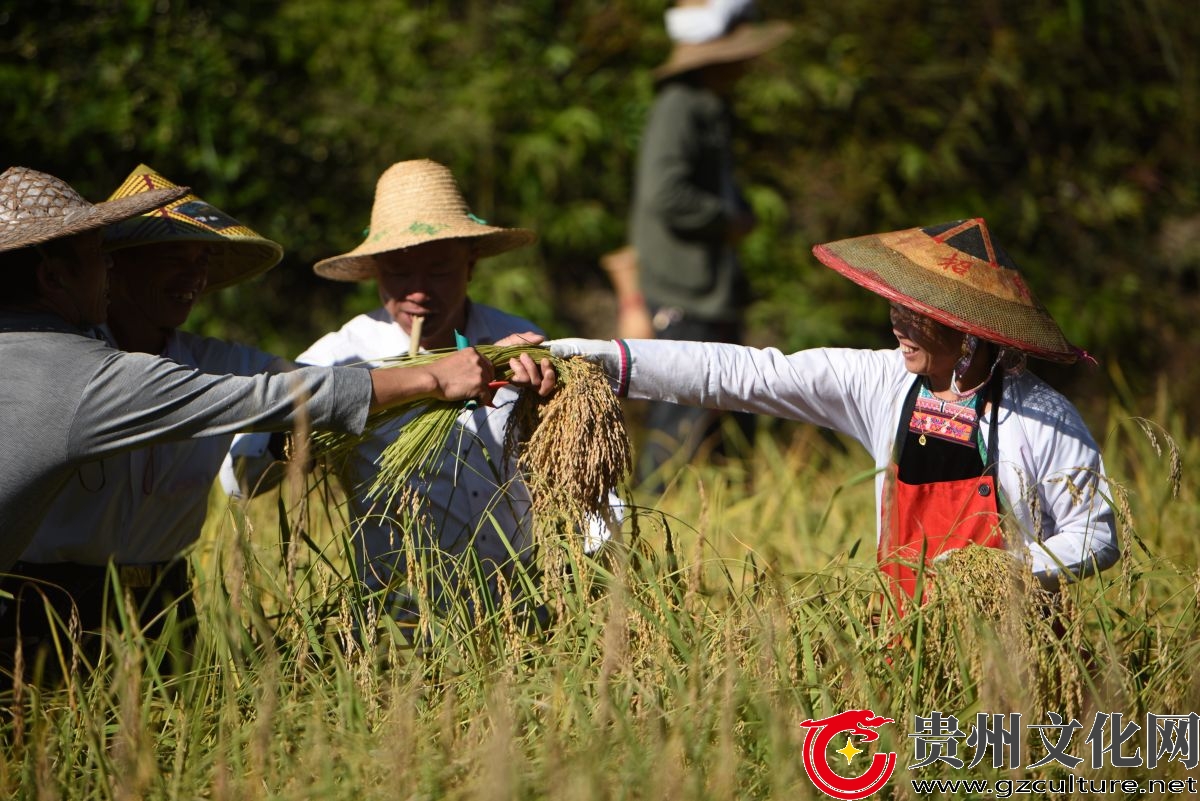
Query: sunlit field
pixel 679 662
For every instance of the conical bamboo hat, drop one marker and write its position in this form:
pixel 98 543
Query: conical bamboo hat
pixel 36 207
pixel 238 252
pixel 956 274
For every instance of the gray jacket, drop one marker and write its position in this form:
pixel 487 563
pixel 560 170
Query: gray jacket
pixel 66 398
pixel 684 200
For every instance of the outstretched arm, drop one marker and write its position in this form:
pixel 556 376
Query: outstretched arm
pixel 842 389
pixel 462 375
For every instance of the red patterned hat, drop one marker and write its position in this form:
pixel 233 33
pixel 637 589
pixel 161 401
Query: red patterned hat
pixel 953 273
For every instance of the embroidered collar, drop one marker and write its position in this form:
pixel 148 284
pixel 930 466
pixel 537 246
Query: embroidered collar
pixel 949 420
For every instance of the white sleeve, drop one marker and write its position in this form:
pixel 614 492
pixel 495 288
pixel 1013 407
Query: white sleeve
pixel 329 351
pixel 245 471
pixel 838 388
pixel 604 526
pixel 1054 480
pixel 1073 492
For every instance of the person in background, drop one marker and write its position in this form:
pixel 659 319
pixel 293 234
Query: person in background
pixel 688 212
pixel 421 250
pixel 69 398
pixel 971 448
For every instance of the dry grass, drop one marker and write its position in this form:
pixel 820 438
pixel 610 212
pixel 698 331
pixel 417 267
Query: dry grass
pixel 680 665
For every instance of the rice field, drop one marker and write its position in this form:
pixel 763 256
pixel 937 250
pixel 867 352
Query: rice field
pixel 680 662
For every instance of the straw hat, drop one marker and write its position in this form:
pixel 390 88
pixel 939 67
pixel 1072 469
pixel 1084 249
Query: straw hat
pixel 418 202
pixel 36 208
pixel 238 252
pixel 955 274
pixel 716 32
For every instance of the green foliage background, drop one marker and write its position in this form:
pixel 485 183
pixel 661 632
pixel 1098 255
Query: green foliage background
pixel 1072 126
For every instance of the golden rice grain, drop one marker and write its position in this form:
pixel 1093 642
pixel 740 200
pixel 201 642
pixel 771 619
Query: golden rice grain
pixel 983 605
pixel 573 448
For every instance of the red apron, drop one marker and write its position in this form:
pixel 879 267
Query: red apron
pixel 922 521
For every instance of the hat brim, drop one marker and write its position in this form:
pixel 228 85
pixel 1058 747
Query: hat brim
pixel 232 260
pixel 39 230
pixel 358 264
pixel 1025 326
pixel 236 251
pixel 744 42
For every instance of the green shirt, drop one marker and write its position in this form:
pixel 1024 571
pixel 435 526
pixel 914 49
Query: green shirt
pixel 684 200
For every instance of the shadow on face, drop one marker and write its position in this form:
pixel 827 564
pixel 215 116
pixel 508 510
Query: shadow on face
pixel 158 284
pixel 74 278
pixel 428 281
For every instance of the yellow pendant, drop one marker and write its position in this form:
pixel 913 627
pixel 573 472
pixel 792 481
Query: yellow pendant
pixel 921 439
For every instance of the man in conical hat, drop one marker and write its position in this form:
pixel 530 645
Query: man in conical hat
pixel 421 249
pixel 962 434
pixel 141 510
pixel 688 212
pixel 69 398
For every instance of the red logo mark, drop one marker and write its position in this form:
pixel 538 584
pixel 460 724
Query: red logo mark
pixel 858 723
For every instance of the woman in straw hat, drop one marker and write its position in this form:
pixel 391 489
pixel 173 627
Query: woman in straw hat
pixel 70 398
pixel 688 212
pixel 963 436
pixel 140 510
pixel 421 249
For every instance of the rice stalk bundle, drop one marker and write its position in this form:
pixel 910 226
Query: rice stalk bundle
pixel 573 452
pixel 983 607
pixel 578 437
pixel 573 448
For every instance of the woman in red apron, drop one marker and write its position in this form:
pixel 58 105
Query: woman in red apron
pixel 963 318
pixel 960 432
pixel 942 479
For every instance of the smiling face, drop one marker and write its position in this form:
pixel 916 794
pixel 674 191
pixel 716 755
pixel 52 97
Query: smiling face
pixel 155 286
pixel 930 348
pixel 429 281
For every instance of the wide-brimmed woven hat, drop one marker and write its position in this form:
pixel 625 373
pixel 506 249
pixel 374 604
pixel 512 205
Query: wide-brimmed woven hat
pixel 238 253
pixel 418 202
pixel 955 274
pixel 36 208
pixel 708 32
